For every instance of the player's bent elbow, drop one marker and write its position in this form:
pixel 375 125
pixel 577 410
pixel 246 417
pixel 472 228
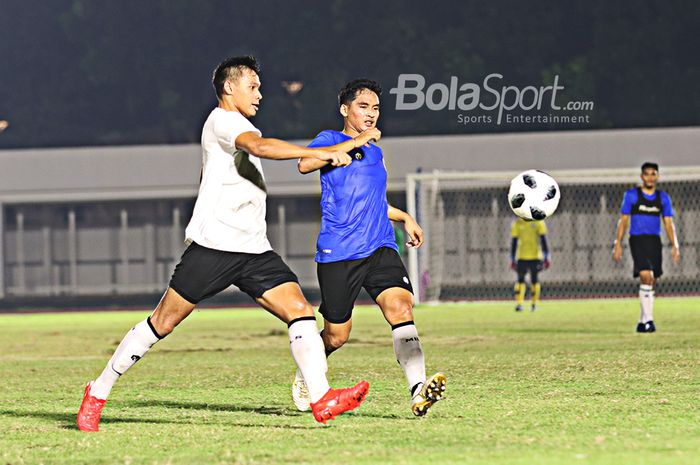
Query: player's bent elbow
pixel 303 167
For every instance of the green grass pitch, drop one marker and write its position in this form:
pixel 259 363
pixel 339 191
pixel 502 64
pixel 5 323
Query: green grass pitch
pixel 569 384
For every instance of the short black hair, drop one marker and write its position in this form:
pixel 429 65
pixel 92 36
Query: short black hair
pixel 350 90
pixel 649 164
pixel 231 68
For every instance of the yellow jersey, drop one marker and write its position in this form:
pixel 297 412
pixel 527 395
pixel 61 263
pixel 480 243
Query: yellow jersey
pixel 528 234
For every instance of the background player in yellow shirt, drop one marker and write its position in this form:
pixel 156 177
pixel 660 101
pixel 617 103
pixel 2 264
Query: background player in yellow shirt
pixel 528 253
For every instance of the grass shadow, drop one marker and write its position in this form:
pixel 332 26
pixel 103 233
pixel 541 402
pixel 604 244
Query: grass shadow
pixel 196 350
pixel 67 420
pixel 396 417
pixel 262 410
pixel 278 411
pixel 559 331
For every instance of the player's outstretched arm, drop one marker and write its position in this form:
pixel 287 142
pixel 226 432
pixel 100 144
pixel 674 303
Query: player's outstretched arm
pixel 309 165
pixel 670 228
pixel 621 228
pixel 276 149
pixel 415 233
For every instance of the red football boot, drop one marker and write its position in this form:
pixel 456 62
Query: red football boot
pixel 336 401
pixel 90 410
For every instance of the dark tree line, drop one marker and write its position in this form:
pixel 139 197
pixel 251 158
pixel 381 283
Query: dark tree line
pixel 138 72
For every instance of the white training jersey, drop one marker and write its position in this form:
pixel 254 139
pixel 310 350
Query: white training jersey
pixel 229 214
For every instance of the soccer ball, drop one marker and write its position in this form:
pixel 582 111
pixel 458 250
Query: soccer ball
pixel 533 195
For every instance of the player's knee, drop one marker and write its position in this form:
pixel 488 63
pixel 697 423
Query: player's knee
pixel 166 329
pixel 163 324
pixel 399 310
pixel 646 277
pixel 299 307
pixel 335 340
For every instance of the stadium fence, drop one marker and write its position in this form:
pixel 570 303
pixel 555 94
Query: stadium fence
pixel 467 222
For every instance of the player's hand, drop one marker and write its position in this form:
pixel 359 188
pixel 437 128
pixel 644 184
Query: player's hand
pixel 617 252
pixel 513 266
pixel 334 157
pixel 547 263
pixel 676 255
pixel 414 233
pixel 371 134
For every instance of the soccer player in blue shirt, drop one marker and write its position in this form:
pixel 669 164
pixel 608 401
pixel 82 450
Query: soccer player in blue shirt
pixel 646 206
pixel 356 246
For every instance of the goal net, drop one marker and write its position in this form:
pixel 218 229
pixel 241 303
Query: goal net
pixel 467 222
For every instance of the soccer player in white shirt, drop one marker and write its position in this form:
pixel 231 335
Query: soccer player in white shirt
pixel 227 244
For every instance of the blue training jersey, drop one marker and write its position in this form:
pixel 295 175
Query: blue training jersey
pixel 354 209
pixel 646 212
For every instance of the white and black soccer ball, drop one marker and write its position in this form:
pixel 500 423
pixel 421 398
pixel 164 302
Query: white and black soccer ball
pixel 533 195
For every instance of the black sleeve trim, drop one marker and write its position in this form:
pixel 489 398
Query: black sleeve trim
pixel 289 325
pixel 150 325
pixel 405 323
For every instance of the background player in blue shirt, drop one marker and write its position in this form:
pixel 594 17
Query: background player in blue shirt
pixel 646 205
pixel 356 246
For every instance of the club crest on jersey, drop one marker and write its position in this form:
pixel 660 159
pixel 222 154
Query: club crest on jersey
pixel 357 153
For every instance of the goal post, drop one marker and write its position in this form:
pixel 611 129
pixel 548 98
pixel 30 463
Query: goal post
pixel 466 220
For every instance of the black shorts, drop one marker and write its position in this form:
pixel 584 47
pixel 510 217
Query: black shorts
pixel 341 281
pixel 646 254
pixel 531 266
pixel 204 272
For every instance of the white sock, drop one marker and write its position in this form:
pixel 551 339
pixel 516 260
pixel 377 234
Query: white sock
pixel 308 353
pixel 646 303
pixel 409 353
pixel 134 346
